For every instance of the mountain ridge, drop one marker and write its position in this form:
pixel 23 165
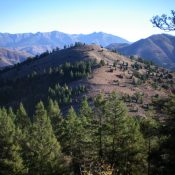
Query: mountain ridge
pixel 50 40
pixel 159 48
pixel 112 72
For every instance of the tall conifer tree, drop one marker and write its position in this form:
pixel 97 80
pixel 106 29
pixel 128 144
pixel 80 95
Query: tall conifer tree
pixel 22 119
pixel 44 149
pixel 11 162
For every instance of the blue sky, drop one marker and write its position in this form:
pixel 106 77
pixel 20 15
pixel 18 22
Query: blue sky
pixel 129 19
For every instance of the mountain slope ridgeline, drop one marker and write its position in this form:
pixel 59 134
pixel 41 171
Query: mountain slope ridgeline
pixel 157 48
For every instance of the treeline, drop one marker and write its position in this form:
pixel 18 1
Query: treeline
pixel 95 139
pixel 67 71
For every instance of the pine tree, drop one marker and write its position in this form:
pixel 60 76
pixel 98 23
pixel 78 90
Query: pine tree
pixel 124 141
pixel 11 162
pixel 169 130
pixel 97 126
pixel 23 124
pixel 71 132
pixel 150 128
pixel 72 139
pixel 135 152
pixel 11 114
pixel 22 119
pixel 96 150
pixel 165 156
pixel 86 139
pixel 116 128
pixel 85 109
pixel 44 149
pixel 56 118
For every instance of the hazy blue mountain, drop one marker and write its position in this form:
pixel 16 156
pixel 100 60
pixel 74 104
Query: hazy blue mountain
pixel 36 43
pixel 99 38
pixel 157 48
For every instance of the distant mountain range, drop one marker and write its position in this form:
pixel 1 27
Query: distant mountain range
pixel 157 48
pixel 17 47
pixel 9 57
pixel 36 43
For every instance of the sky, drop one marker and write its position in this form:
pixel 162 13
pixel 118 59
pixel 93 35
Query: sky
pixel 129 19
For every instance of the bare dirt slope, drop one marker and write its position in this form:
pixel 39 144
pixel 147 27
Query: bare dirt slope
pixel 113 77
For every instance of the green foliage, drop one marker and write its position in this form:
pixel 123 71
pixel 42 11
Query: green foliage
pixel 65 94
pixel 124 139
pixel 44 149
pixel 98 138
pixel 85 110
pixel 56 118
pixel 165 155
pixel 11 114
pixel 71 134
pixel 22 120
pixel 95 138
pixel 72 139
pixel 11 161
pixel 28 89
pixel 150 130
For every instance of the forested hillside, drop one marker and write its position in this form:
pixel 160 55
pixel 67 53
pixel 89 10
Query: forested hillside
pixel 77 111
pixel 92 140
